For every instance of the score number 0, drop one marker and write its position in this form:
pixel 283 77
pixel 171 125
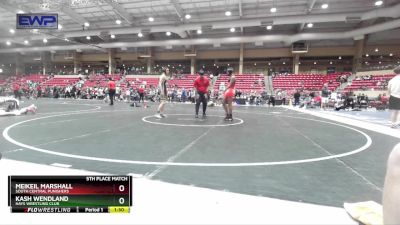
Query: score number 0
pixel 121 188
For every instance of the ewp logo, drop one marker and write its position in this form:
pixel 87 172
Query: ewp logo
pixel 37 21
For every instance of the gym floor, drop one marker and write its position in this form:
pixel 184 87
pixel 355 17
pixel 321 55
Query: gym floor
pixel 274 152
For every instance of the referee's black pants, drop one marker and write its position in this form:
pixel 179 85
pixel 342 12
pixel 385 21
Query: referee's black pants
pixel 202 98
pixel 111 93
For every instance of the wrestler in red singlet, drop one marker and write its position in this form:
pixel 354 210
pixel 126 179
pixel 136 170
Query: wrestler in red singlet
pixel 229 95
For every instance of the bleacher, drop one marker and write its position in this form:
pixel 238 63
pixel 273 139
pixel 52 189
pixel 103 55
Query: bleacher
pixel 60 82
pixel 371 84
pixel 244 82
pixel 186 81
pixel 150 81
pixel 34 78
pixel 20 79
pixel 307 81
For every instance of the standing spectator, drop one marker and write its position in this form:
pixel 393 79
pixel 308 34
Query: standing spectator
pixel 271 100
pixel 111 90
pixel 296 98
pixel 283 97
pixel 39 91
pixel 183 95
pixel 141 93
pixel 16 88
pixel 394 99
pixel 324 96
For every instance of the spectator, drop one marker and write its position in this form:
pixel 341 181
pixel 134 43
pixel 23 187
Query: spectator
pixel 296 98
pixel 325 96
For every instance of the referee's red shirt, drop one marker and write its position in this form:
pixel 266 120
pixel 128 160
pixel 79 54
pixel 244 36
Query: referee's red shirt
pixel 201 85
pixel 111 85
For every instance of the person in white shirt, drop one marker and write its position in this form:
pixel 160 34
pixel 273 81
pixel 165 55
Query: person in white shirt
pixel 394 100
pixel 162 85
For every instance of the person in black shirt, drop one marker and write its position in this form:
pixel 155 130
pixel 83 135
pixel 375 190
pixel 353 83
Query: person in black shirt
pixel 296 98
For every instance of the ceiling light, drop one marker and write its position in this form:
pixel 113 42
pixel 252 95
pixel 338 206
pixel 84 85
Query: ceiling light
pixel 35 30
pixel 66 39
pixel 140 34
pixel 331 62
pixel 340 57
pixel 376 50
pixel 315 63
pixel 1 70
pixel 232 29
pixel 88 37
pixel 324 6
pixel 60 26
pixel 378 3
pixel 199 31
pixel 20 12
pixel 8 42
pixel 26 42
pixel 273 10
pixel 44 40
pixel 299 63
pixel 366 55
pixel 284 63
pixel 151 19
pixel 269 64
pixel 228 13
pixel 380 62
pixel 188 16
pixel 112 36
pixel 255 64
pixel 269 27
pixel 309 25
pixel 118 22
pixel 168 33
pixel 391 54
pixel 86 24
pixel 12 31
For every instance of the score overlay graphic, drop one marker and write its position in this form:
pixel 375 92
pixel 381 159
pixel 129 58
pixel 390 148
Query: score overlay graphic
pixel 70 194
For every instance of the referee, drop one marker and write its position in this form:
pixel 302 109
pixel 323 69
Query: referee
pixel 111 90
pixel 201 85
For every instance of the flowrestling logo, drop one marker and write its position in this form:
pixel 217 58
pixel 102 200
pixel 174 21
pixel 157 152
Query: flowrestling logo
pixel 37 21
